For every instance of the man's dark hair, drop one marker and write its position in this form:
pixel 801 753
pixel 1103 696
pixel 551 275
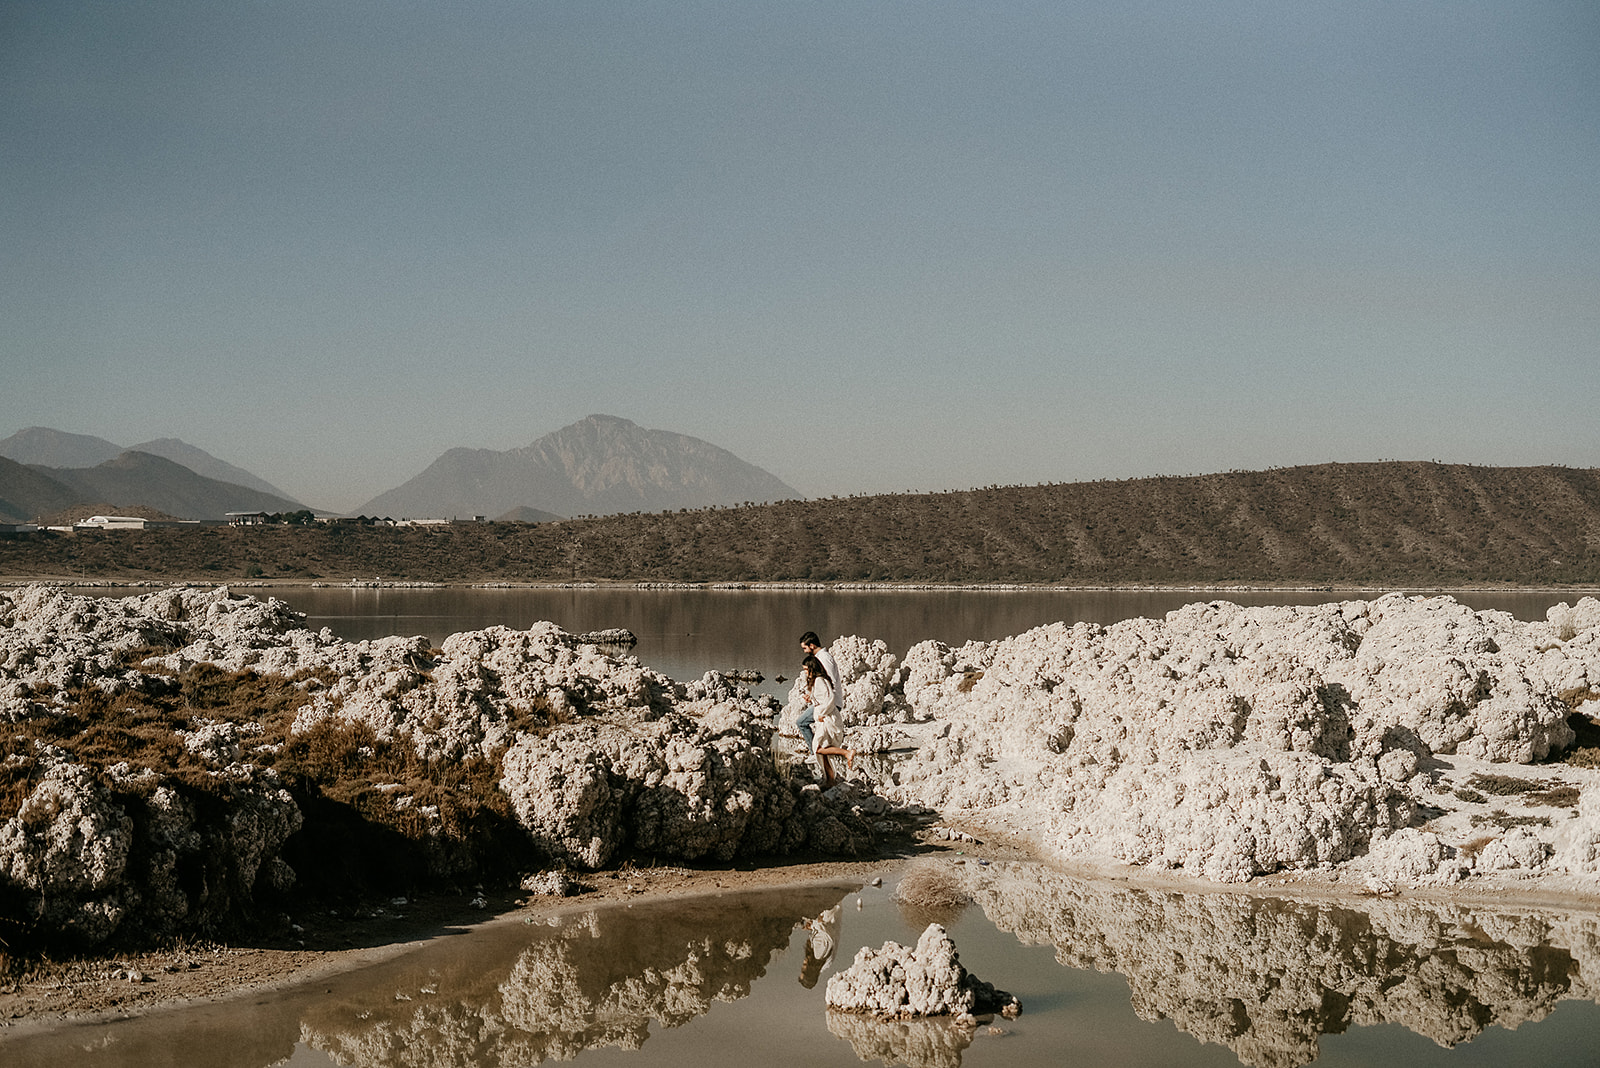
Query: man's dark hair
pixel 810 638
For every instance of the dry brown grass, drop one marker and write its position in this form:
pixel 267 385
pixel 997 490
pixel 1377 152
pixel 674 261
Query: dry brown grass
pixel 1502 785
pixel 1505 821
pixel 1556 796
pixel 1531 791
pixel 929 892
pixel 344 762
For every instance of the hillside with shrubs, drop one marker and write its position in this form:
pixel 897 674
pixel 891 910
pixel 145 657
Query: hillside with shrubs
pixel 1411 523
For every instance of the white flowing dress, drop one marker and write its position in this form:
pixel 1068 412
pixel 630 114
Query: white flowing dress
pixel 826 730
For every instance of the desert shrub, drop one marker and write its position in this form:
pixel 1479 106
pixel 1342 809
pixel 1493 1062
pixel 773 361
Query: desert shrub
pixel 387 782
pixel 336 766
pixel 1588 757
pixel 1558 796
pixel 18 766
pixel 1505 821
pixel 1502 785
pixel 930 893
pixel 1531 791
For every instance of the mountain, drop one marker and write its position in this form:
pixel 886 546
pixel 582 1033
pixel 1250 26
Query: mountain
pixel 139 478
pixel 26 493
pixel 203 463
pixel 40 446
pixel 57 448
pixel 600 465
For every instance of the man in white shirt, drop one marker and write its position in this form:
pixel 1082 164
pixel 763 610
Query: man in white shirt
pixel 811 645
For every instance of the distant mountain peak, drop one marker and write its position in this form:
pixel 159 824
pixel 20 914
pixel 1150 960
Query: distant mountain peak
pixel 45 447
pixel 62 470
pixel 40 446
pixel 601 464
pixel 203 463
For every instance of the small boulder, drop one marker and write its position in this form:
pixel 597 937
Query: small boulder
pixel 895 982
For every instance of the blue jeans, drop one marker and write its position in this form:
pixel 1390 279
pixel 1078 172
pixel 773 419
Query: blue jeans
pixel 803 722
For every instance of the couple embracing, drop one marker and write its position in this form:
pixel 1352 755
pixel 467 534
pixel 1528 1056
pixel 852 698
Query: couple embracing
pixel 819 721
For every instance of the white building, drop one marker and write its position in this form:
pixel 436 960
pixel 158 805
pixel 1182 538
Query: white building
pixel 112 522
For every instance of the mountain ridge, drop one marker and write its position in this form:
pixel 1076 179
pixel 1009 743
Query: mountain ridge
pixel 41 446
pixel 131 481
pixel 1389 524
pixel 599 465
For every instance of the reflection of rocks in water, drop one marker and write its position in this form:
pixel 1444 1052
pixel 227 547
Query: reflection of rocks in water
pixel 1267 977
pixel 927 1043
pixel 597 980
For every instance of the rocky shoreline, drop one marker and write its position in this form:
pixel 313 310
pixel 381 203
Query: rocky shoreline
pixel 195 764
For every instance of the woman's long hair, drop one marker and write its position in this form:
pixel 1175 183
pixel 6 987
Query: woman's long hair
pixel 814 671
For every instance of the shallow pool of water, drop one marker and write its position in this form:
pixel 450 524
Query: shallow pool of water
pixel 1107 973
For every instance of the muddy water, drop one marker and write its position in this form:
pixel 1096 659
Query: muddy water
pixel 1107 974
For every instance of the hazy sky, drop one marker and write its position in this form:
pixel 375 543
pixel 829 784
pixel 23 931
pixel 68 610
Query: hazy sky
pixel 869 246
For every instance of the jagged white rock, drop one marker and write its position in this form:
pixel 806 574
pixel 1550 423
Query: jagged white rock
pixel 1230 742
pixel 1218 741
pixel 600 753
pixel 895 982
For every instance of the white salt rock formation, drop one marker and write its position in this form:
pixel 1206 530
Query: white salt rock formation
pixel 1577 843
pixel 895 982
pixel 86 859
pixel 473 695
pixel 597 752
pixel 1227 742
pixel 866 671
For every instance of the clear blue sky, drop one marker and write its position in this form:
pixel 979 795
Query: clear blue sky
pixel 870 246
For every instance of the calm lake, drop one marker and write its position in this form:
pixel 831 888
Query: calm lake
pixel 687 632
pixel 1108 973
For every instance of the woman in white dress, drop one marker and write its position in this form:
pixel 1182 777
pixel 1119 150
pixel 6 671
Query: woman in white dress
pixel 827 731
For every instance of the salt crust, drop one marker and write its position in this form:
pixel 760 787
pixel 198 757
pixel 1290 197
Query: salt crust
pixel 600 754
pixel 900 982
pixel 1229 743
pixel 1220 742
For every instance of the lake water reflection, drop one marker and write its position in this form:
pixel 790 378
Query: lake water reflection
pixel 1107 974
